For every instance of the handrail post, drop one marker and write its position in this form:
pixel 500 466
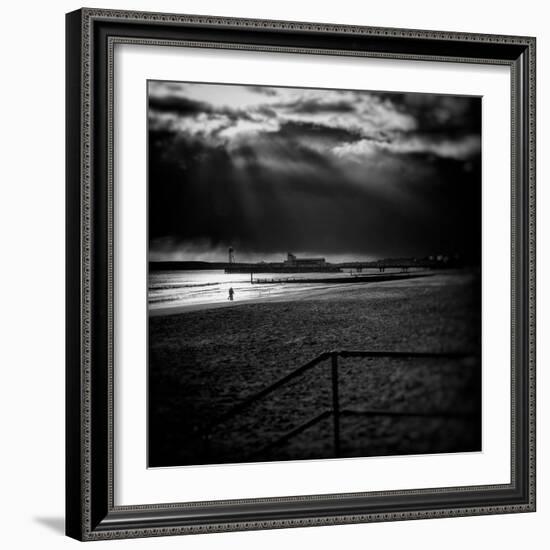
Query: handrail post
pixel 335 403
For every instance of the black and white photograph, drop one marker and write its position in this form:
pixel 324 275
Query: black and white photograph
pixel 314 273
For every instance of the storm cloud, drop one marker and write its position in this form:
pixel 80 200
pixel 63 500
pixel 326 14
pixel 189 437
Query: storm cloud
pixel 354 174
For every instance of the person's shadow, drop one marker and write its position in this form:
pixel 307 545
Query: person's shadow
pixel 56 524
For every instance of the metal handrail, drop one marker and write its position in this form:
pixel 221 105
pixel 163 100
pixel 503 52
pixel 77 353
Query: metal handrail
pixel 335 411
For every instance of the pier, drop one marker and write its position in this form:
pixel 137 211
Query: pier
pixel 351 278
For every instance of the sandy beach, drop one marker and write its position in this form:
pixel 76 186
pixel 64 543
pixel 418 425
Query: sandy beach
pixel 203 361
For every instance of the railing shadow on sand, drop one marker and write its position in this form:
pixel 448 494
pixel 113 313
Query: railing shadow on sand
pixel 336 412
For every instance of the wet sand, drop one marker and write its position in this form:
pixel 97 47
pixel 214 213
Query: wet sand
pixel 319 291
pixel 204 361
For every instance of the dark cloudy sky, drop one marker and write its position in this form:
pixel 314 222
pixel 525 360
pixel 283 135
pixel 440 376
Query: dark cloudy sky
pixel 344 174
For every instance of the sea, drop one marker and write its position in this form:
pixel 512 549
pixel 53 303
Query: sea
pixel 168 289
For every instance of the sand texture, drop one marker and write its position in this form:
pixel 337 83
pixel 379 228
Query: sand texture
pixel 204 362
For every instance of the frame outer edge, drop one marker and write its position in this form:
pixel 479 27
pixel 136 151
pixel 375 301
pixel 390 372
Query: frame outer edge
pixel 532 251
pixel 73 286
pixel 287 25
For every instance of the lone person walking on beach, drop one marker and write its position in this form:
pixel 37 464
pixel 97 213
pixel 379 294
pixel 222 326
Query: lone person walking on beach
pixel 231 292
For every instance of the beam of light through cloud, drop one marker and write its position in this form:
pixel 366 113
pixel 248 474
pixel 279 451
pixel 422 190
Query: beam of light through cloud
pixel 267 169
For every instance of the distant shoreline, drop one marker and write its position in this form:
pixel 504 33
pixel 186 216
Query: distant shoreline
pixel 273 267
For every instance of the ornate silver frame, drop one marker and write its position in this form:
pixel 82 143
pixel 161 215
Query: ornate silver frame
pixel 91 38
